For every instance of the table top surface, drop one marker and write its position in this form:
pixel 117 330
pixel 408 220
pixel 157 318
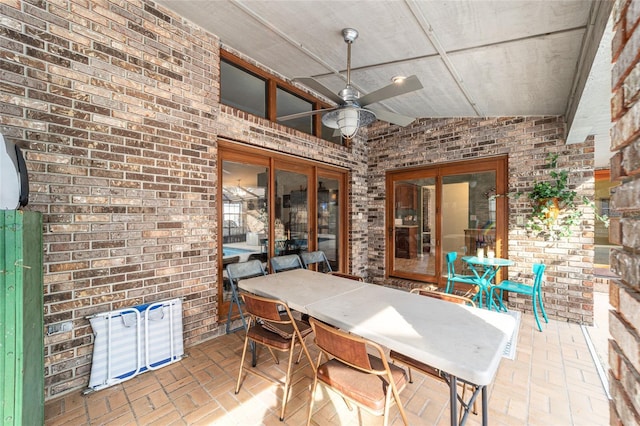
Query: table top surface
pixel 299 287
pixel 464 341
pixel 486 261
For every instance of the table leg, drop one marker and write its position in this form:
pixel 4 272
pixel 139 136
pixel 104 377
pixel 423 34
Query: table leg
pixel 453 396
pixel 485 409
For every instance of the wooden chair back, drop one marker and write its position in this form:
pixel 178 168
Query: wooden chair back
pixel 448 297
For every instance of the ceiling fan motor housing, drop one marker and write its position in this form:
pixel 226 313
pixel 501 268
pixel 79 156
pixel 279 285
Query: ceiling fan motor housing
pixel 349 94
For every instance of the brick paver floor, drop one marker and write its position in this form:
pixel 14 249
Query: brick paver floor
pixel 552 381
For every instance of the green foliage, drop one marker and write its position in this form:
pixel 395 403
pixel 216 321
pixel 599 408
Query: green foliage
pixel 555 210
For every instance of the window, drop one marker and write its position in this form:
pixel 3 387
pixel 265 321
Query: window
pixel 242 90
pixel 288 103
pixel 248 88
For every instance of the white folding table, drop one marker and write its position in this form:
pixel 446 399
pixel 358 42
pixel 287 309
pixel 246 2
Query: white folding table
pixel 465 342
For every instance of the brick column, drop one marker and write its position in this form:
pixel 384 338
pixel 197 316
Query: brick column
pixel 624 320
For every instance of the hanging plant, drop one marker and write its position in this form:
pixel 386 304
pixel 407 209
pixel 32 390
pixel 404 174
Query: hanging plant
pixel 555 210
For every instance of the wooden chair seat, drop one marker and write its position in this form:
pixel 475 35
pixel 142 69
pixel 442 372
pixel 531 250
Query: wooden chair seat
pixel 357 370
pixel 365 388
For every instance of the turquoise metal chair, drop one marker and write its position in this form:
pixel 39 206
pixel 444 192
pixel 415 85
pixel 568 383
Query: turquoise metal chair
pixel 453 278
pixel 235 273
pixel 530 290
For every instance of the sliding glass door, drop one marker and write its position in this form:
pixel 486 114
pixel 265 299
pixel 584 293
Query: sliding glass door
pixel 449 207
pixel 331 235
pixel 414 227
pixel 292 211
pixel 272 205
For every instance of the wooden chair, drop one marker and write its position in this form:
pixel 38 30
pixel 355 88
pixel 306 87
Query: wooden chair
pixel 529 290
pixel 277 331
pixel 427 369
pixel 348 276
pixel 286 262
pixel 361 377
pixel 235 273
pixel 425 291
pixel 317 258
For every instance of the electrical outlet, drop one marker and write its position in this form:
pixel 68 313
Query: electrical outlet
pixel 59 327
pixel 519 221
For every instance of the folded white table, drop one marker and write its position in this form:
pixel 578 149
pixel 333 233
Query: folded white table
pixel 467 343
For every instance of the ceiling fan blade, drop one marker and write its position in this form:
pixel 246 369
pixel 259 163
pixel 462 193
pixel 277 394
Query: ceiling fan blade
pixel 392 117
pixel 409 84
pixel 304 114
pixel 313 84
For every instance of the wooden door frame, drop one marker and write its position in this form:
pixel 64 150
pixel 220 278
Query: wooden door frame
pixel 239 152
pixel 499 164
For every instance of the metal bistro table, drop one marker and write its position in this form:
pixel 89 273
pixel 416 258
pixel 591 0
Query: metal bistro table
pixel 465 342
pixel 491 267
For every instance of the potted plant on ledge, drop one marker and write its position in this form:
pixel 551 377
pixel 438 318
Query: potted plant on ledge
pixel 555 210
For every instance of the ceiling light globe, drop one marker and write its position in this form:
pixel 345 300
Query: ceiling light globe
pixel 349 121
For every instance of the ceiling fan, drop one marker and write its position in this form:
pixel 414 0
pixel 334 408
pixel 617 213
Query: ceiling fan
pixel 350 113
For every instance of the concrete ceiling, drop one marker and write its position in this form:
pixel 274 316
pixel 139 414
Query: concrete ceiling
pixel 473 57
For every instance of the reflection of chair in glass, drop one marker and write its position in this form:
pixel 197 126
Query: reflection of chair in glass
pixel 529 290
pixel 357 370
pixel 262 257
pixel 285 263
pixel 427 369
pixel 453 278
pixel 226 284
pixel 237 272
pixel 317 258
pixel 277 331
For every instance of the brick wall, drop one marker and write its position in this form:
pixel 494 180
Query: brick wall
pixel 568 288
pixel 624 320
pixel 116 104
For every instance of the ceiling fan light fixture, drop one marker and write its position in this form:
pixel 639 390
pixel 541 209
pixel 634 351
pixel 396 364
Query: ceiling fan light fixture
pixel 398 79
pixel 348 119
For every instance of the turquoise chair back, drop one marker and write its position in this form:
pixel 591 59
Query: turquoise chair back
pixel 538 273
pixel 451 258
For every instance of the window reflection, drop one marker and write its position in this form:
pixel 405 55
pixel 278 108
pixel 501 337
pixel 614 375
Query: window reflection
pixel 468 214
pixel 329 219
pixel 414 225
pixel 245 215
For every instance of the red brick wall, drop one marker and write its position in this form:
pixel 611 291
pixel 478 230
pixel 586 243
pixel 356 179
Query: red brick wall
pixel 568 286
pixel 624 320
pixel 116 104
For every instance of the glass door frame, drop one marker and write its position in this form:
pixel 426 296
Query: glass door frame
pixel 288 165
pixel 342 243
pixel 499 164
pixel 272 160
